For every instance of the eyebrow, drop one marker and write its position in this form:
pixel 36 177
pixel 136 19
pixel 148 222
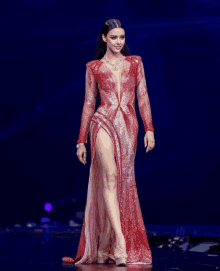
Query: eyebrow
pixel 116 35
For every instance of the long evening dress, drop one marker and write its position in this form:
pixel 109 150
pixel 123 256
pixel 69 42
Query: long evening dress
pixel 117 116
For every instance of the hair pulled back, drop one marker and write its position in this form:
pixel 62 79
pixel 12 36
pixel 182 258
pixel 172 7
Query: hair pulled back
pixel 101 45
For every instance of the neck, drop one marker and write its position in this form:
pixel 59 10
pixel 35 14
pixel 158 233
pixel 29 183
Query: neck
pixel 111 55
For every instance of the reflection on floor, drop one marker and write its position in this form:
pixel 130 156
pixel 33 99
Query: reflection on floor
pixel 173 247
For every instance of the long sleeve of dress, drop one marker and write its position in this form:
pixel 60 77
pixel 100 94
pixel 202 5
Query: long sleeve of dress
pixel 143 99
pixel 88 107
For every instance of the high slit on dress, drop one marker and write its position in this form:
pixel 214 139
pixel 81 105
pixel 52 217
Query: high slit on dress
pixel 118 118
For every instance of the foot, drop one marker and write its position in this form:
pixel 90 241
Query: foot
pixel 120 241
pixel 102 260
pixel 120 251
pixel 102 257
pixel 104 246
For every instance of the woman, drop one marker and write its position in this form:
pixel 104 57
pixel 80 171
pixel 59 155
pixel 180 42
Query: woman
pixel 113 227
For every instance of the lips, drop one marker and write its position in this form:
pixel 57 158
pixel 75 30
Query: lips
pixel 117 47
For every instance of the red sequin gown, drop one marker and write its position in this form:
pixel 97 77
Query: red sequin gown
pixel 118 117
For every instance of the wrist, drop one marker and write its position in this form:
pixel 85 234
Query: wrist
pixel 80 144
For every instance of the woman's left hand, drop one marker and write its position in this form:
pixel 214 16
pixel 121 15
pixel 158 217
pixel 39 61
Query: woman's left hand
pixel 149 140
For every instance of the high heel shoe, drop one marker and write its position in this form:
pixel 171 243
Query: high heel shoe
pixel 120 253
pixel 102 258
pixel 104 246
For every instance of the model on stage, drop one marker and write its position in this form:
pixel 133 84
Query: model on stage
pixel 113 227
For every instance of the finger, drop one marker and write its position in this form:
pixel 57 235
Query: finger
pixel 151 145
pixel 145 144
pixel 84 158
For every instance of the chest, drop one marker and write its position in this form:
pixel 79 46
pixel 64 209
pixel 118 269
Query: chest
pixel 121 78
pixel 115 71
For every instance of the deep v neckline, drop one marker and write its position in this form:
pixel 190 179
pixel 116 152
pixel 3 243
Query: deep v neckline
pixel 114 76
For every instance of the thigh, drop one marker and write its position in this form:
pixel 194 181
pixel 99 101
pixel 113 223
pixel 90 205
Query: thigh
pixel 105 154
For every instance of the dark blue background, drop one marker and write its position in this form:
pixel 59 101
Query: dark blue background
pixel 45 46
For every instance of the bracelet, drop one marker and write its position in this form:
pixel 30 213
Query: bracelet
pixel 80 144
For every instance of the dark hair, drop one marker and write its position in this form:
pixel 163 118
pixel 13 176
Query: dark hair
pixel 101 45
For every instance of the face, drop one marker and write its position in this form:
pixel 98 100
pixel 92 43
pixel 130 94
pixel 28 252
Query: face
pixel 115 37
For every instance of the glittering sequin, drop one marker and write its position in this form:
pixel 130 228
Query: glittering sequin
pixel 117 116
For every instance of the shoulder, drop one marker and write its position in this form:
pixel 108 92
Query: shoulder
pixel 90 64
pixel 136 58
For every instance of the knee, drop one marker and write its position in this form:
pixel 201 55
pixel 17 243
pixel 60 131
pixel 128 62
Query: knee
pixel 111 181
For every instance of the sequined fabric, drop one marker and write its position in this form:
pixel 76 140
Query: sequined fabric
pixel 117 116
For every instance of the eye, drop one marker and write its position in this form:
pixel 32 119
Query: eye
pixel 115 37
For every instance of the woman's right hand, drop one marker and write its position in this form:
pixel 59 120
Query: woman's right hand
pixel 81 153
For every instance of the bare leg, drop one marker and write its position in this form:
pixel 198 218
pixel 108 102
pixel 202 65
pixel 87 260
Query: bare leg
pixel 106 157
pixel 112 206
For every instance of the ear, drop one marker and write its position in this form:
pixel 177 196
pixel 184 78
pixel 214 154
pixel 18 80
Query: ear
pixel 103 38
